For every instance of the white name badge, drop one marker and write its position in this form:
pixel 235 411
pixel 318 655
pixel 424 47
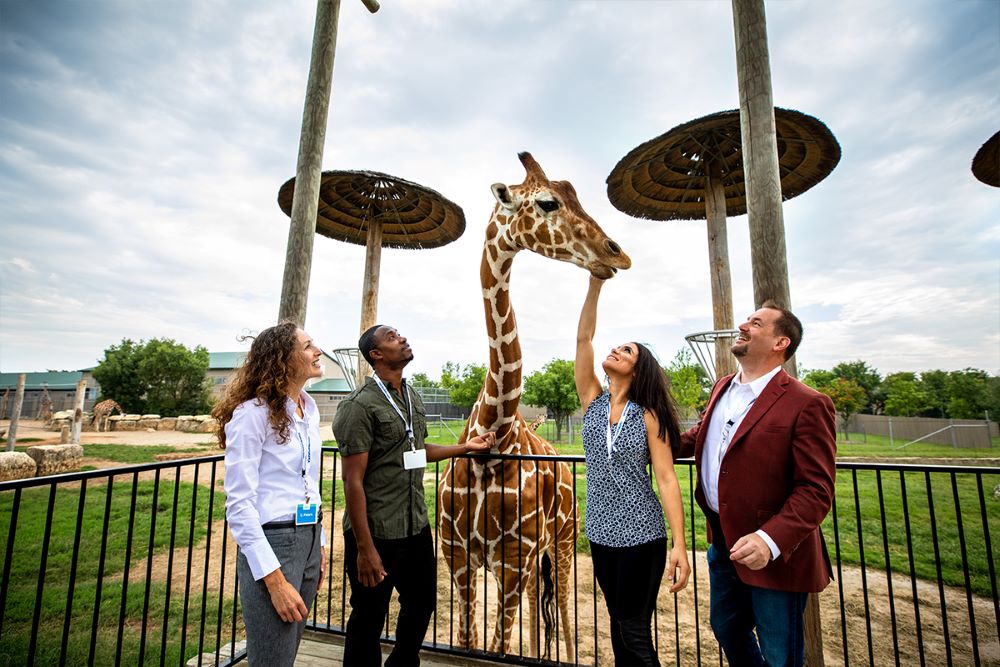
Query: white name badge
pixel 415 458
pixel 306 514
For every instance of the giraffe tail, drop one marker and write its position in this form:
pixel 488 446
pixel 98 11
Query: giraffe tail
pixel 548 603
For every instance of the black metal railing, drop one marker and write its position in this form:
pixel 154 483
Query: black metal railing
pixel 136 566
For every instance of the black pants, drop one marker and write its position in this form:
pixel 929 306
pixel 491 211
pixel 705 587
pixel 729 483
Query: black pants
pixel 410 568
pixel 630 580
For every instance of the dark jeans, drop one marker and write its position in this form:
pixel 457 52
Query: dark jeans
pixel 409 564
pixel 630 580
pixel 270 641
pixel 738 608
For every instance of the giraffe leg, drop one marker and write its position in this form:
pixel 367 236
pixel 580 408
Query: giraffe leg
pixel 463 568
pixel 512 581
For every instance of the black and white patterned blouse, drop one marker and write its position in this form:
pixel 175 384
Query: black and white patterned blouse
pixel 622 510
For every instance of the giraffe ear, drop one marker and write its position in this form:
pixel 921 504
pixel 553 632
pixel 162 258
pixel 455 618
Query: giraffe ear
pixel 504 197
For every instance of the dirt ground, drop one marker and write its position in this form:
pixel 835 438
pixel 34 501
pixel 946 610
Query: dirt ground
pixel 680 622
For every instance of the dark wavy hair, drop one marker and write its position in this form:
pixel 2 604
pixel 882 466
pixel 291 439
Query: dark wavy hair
pixel 264 376
pixel 650 390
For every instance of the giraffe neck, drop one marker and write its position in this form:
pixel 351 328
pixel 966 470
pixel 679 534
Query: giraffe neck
pixel 501 395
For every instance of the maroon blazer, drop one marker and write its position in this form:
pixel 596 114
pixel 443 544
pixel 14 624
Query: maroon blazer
pixel 777 475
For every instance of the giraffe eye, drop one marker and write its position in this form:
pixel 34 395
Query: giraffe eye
pixel 548 205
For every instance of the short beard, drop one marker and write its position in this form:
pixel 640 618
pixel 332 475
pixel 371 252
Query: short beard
pixel 739 351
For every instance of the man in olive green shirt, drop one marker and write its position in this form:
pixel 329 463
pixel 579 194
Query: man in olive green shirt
pixel 380 429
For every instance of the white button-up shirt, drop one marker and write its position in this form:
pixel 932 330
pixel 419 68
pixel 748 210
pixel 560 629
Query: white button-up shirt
pixel 264 479
pixel 726 418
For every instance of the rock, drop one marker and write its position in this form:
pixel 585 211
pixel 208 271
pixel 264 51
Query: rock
pixel 209 425
pixel 16 465
pixel 56 459
pixel 167 424
pixel 150 417
pixel 63 414
pixel 125 424
pixel 148 424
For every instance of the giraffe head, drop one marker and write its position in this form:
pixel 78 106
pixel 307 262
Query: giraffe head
pixel 546 217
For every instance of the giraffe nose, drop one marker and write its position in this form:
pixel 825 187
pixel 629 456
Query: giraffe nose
pixel 613 247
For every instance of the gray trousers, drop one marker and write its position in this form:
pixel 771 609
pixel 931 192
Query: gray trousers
pixel 271 641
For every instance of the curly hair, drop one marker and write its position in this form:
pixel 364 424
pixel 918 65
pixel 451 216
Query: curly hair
pixel 264 376
pixel 651 390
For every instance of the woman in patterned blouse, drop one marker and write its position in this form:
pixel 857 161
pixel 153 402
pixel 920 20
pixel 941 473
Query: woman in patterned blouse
pixel 632 424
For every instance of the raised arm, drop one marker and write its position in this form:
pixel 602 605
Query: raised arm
pixel 588 387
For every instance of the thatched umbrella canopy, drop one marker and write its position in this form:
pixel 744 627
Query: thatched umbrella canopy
pixel 373 209
pixel 986 164
pixel 695 172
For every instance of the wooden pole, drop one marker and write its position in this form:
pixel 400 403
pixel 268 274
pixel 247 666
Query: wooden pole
pixel 15 416
pixel 768 255
pixel 81 393
pixel 760 159
pixel 718 264
pixel 369 290
pixel 305 197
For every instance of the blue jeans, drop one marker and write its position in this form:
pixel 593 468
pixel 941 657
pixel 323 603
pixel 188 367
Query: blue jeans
pixel 737 609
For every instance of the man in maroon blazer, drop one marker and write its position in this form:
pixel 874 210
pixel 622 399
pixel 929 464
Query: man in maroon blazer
pixel 765 449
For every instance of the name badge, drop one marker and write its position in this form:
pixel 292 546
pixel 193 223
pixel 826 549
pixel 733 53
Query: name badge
pixel 415 458
pixel 306 514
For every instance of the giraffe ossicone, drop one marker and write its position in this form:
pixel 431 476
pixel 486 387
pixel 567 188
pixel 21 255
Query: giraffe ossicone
pixel 512 515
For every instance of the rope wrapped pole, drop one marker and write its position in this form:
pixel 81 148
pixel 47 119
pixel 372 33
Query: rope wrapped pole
pixel 16 414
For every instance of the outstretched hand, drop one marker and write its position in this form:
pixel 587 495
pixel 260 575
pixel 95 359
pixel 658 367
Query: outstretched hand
pixel 481 443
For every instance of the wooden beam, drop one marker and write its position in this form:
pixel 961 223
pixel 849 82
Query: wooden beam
pixel 369 290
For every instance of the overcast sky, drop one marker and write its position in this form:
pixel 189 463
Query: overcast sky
pixel 142 145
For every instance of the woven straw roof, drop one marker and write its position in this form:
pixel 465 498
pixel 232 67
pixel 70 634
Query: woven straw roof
pixel 412 215
pixel 986 164
pixel 664 178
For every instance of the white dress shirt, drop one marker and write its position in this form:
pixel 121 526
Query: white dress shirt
pixel 264 479
pixel 726 418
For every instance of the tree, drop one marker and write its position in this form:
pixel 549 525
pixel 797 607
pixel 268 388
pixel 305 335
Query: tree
pixel 968 393
pixel 553 387
pixel 463 383
pixel 118 375
pixel 935 386
pixel 904 395
pixel 689 383
pixel 159 376
pixel 865 377
pixel 418 380
pixel 847 395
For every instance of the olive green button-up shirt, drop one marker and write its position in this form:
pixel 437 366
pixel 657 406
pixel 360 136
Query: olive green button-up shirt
pixel 365 422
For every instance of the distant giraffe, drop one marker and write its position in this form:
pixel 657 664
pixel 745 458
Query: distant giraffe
pixel 102 411
pixel 512 516
pixel 45 406
pixel 537 422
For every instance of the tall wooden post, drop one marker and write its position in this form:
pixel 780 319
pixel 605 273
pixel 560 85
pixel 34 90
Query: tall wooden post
pixel 719 274
pixel 81 393
pixel 15 416
pixel 369 289
pixel 768 255
pixel 308 170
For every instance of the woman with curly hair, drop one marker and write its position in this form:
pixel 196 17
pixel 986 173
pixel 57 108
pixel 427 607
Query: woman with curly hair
pixel 269 428
pixel 626 428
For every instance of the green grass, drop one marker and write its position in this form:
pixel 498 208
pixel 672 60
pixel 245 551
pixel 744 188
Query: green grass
pixel 860 445
pixel 26 563
pixel 132 454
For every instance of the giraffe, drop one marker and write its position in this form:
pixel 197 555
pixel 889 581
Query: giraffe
pixel 103 410
pixel 511 516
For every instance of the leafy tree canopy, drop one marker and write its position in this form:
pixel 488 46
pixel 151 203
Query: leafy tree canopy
pixel 157 376
pixel 554 388
pixel 463 383
pixel 689 383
